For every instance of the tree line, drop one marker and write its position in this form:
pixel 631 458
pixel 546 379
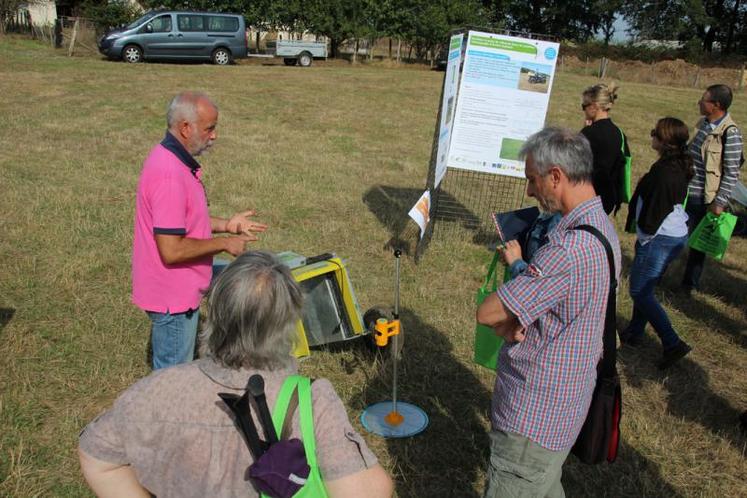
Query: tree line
pixel 703 25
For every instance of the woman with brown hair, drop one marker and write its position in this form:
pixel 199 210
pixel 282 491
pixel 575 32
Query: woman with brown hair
pixel 657 214
pixel 607 145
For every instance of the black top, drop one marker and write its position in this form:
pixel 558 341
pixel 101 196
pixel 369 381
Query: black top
pixel 609 163
pixel 663 187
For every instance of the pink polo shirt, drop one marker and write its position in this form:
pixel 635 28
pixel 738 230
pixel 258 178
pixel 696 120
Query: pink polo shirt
pixel 170 200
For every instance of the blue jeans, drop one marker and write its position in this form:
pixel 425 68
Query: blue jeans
pixel 650 263
pixel 173 337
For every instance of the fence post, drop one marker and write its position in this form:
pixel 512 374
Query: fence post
pixel 697 78
pixel 586 65
pixel 653 72
pixel 743 77
pixel 72 38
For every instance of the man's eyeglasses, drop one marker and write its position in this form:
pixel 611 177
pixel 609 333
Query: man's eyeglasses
pixel 654 134
pixel 584 106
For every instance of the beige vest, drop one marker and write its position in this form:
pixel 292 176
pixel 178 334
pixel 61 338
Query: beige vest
pixel 712 152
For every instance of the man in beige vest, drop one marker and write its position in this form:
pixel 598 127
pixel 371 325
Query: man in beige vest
pixel 716 149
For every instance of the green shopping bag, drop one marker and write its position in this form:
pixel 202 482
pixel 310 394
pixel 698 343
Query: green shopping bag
pixel 627 191
pixel 712 234
pixel 487 344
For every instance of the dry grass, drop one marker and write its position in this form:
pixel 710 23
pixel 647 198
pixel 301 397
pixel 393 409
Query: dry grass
pixel 310 148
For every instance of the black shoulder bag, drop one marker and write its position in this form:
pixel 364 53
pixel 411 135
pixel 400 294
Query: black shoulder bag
pixel 599 438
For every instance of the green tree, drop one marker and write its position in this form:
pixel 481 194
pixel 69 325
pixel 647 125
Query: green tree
pixel 576 20
pixel 709 21
pixel 110 14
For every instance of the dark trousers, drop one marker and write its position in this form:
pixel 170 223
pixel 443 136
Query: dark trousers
pixel 696 210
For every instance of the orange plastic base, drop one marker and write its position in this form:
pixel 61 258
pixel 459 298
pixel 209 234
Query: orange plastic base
pixel 394 418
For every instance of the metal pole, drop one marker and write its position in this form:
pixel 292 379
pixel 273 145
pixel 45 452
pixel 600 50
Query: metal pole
pixel 395 344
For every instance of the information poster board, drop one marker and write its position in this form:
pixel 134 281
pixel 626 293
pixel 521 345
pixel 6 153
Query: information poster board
pixel 503 96
pixel 448 103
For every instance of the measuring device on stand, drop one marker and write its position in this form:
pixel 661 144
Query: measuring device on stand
pixel 393 419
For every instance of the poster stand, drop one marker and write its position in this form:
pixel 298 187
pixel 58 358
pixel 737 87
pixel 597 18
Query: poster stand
pixel 462 199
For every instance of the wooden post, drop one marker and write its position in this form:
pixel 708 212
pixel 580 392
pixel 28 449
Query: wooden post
pixel 602 67
pixel 71 49
pixel 586 65
pixel 697 78
pixel 399 49
pixel 653 73
pixel 743 77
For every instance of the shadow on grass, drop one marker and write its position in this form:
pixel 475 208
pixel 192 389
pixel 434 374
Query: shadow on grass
pixel 730 290
pixel 716 281
pixel 447 458
pixel 6 315
pixel 687 387
pixel 390 205
pixel 632 474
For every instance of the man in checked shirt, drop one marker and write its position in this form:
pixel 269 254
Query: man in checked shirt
pixel 552 317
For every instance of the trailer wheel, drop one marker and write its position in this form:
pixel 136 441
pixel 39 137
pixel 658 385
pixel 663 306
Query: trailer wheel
pixel 305 59
pixel 289 62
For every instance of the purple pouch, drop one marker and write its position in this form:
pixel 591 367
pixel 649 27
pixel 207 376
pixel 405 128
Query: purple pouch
pixel 281 470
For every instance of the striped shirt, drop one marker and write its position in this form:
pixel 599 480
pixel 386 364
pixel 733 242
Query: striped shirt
pixel 731 158
pixel 544 384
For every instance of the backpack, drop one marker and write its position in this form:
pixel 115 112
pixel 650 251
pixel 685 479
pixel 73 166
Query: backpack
pixel 723 141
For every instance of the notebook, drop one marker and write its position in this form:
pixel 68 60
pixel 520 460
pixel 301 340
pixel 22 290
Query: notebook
pixel 514 225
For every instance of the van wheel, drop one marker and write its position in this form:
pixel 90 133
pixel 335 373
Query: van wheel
pixel 305 59
pixel 221 56
pixel 289 62
pixel 132 54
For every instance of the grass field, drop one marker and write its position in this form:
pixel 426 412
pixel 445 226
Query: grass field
pixel 321 153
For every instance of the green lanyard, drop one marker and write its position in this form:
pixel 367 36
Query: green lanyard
pixel 314 487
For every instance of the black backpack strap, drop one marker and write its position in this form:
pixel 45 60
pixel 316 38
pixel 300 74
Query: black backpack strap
pixel 241 409
pixel 609 357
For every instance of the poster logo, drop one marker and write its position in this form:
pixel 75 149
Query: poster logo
pixel 550 53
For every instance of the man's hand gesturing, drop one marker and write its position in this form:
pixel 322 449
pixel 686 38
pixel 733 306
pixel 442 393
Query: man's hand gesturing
pixel 241 224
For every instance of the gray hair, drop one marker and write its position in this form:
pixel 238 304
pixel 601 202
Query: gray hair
pixel 253 306
pixel 561 147
pixel 183 107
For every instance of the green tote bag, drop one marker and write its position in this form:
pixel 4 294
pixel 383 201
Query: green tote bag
pixel 712 234
pixel 487 344
pixel 626 191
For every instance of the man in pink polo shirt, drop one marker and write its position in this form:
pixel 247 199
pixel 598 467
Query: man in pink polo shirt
pixel 173 246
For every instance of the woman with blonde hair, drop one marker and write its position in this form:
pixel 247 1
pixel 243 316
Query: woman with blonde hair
pixel 607 145
pixel 657 215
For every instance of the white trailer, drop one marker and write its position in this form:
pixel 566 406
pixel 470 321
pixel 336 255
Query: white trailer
pixel 293 52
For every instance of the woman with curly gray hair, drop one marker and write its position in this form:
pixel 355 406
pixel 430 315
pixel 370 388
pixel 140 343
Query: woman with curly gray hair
pixel 171 435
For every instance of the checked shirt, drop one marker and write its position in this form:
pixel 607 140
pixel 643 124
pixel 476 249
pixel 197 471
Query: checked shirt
pixel 544 384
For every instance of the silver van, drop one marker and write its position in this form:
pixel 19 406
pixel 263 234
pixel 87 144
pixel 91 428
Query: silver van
pixel 164 35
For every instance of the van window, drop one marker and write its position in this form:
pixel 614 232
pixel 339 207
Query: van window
pixel 223 24
pixel 190 22
pixel 161 24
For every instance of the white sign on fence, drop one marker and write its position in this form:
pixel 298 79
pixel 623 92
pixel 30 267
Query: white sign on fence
pixel 502 99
